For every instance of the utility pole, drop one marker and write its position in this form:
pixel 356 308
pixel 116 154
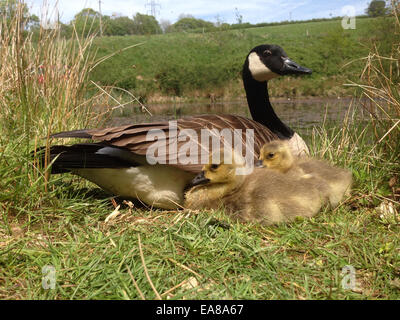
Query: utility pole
pixel 101 26
pixel 153 7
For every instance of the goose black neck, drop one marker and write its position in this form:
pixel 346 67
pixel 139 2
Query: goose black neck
pixel 260 107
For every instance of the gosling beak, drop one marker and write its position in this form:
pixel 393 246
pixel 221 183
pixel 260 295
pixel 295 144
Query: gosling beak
pixel 259 164
pixel 199 179
pixel 291 67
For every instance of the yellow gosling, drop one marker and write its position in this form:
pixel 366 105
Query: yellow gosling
pixel 264 196
pixel 334 182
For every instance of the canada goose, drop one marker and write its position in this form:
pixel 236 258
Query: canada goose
pixel 119 160
pixel 334 182
pixel 264 196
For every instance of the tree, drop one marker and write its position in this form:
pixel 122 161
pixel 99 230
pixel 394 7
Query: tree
pixel 118 25
pixel 87 21
pixel 87 13
pixel 10 8
pixel 376 8
pixel 145 24
pixel 185 15
pixel 185 24
pixel 33 22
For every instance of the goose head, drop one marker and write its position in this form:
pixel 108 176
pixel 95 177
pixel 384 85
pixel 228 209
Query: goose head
pixel 264 63
pixel 276 155
pixel 269 61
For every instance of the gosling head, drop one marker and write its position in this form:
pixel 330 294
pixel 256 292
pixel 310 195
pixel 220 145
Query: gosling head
pixel 276 155
pixel 268 61
pixel 221 168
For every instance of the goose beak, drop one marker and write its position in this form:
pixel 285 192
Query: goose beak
pixel 199 179
pixel 259 164
pixel 291 67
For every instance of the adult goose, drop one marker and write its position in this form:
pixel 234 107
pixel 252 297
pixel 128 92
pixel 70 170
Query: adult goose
pixel 153 162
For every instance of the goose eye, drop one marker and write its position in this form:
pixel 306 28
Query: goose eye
pixel 267 52
pixel 214 166
pixel 271 155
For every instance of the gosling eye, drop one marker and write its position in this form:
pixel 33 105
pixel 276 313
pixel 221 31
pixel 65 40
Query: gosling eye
pixel 270 155
pixel 214 166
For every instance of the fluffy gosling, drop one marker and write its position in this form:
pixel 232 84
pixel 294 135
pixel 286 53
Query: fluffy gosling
pixel 335 182
pixel 264 196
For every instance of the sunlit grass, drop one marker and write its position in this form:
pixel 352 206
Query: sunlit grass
pixel 60 221
pixel 206 255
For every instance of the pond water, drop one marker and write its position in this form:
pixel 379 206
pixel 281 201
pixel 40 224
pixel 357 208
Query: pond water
pixel 301 114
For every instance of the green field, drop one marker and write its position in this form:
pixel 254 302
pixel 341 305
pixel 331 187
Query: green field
pixel 195 65
pixel 60 220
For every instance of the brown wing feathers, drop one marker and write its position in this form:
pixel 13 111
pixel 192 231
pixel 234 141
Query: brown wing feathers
pixel 134 137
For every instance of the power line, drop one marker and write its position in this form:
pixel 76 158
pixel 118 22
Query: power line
pixel 153 7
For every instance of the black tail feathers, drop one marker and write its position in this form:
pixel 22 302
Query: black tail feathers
pixel 66 158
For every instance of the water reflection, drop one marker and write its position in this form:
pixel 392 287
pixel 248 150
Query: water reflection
pixel 298 114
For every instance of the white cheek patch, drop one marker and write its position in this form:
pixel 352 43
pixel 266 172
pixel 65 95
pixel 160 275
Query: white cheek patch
pixel 259 70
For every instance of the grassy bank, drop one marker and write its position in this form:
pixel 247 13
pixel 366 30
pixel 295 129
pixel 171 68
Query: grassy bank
pixel 61 221
pixel 204 255
pixel 202 65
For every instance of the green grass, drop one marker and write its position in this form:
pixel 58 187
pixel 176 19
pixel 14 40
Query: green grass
pixel 228 260
pixel 198 65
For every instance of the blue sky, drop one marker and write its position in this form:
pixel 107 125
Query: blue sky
pixel 253 11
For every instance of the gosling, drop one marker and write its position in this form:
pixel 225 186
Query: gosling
pixel 264 196
pixel 335 182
